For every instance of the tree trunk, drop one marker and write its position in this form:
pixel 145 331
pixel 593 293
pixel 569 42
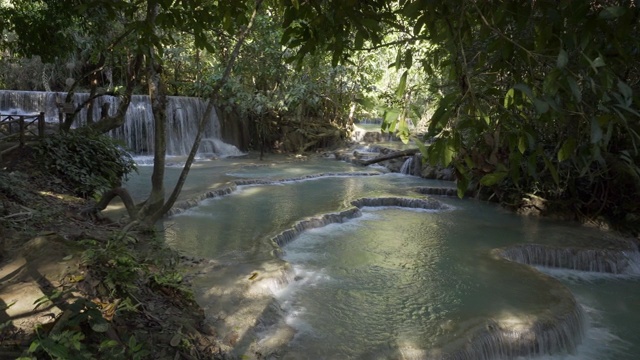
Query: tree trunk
pixel 155 216
pixel 158 96
pixel 108 123
pixel 394 155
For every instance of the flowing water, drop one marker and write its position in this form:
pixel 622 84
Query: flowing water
pixel 183 114
pixel 401 283
pixel 294 270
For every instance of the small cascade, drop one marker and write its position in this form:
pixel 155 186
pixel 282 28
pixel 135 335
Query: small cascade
pixel 440 191
pixel 407 166
pixel 561 333
pixel 137 133
pixel 247 182
pixel 412 203
pixel 217 147
pixel 182 206
pixel 376 121
pixel 623 261
pixel 289 235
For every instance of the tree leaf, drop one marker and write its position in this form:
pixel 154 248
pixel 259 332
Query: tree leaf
pixel 508 98
pixel 541 106
pixel 552 170
pixel 525 89
pixel 443 111
pixel 625 90
pixel 598 62
pixel 575 90
pixel 563 59
pixel 522 144
pixel 493 178
pixel 596 131
pixel 612 12
pixel 402 85
pixel 417 28
pixel 566 151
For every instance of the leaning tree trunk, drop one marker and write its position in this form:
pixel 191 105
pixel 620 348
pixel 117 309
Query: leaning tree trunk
pixel 155 216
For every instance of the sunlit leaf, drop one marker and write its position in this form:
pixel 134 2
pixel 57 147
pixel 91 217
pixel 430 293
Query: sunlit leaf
pixel 402 85
pixel 566 151
pixel 508 98
pixel 522 144
pixel 493 178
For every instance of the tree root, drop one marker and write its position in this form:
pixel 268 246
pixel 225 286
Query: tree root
pixel 108 197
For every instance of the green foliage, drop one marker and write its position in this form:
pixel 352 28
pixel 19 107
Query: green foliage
pixel 539 98
pixel 115 263
pixel 80 334
pixel 89 164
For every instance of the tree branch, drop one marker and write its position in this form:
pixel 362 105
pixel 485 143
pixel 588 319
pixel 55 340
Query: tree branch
pixel 203 121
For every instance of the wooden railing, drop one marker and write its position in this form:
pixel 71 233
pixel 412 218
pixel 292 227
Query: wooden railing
pixel 20 128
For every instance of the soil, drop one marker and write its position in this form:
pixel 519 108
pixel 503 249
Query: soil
pixel 53 259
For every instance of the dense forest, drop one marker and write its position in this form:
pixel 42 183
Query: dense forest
pixel 534 105
pixel 537 104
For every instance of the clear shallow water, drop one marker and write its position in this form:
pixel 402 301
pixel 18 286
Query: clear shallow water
pixel 392 280
pixel 239 225
pixel 396 281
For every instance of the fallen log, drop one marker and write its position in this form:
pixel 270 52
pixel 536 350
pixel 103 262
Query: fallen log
pixel 394 155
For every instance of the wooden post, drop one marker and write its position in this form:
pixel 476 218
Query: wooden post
pixel 21 125
pixel 41 125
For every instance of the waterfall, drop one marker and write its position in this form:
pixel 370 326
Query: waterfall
pixel 137 133
pixel 623 261
pixel 407 166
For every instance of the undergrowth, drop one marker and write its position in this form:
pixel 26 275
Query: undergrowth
pixel 106 310
pixel 87 163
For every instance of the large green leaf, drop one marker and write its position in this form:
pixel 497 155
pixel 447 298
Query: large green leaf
pixel 443 112
pixel 566 151
pixel 402 85
pixel 493 178
pixel 612 12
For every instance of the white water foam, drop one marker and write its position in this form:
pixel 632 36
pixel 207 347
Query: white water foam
pixel 599 342
pixel 418 210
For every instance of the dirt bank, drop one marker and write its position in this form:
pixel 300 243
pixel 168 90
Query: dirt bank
pixel 78 288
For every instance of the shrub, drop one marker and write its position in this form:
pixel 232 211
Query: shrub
pixel 88 163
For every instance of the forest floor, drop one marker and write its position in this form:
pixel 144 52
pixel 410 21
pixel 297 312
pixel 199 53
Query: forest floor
pixel 77 287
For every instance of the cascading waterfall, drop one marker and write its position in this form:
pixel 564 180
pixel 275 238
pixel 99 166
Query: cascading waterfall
pixel 137 132
pixel 407 166
pixel 622 261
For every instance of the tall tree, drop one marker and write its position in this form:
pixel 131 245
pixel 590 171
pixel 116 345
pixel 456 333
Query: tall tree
pixel 537 98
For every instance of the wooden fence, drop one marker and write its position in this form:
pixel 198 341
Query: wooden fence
pixel 17 129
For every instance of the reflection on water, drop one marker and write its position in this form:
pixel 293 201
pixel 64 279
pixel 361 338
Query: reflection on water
pixel 395 282
pixel 392 277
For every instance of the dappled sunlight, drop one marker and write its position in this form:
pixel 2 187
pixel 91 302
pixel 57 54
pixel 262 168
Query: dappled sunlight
pixel 246 191
pixel 63 197
pixel 515 324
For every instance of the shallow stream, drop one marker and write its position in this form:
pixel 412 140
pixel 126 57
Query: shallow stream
pixel 391 283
